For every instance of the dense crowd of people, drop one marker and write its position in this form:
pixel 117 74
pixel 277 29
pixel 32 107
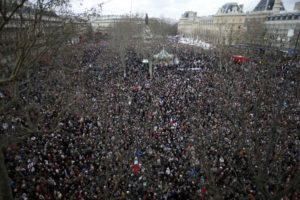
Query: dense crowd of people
pixel 212 133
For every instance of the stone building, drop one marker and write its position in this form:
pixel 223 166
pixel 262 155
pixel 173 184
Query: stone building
pixel 187 24
pixel 282 30
pixel 269 6
pixel 103 23
pixel 106 22
pixel 205 29
pixel 255 21
pixel 269 25
pixel 26 25
pixel 229 22
pixel 17 28
pixel 224 27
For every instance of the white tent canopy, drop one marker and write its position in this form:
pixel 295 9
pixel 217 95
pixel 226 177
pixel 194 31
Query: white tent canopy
pixel 145 61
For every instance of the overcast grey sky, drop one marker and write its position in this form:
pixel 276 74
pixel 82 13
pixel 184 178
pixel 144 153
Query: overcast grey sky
pixel 167 8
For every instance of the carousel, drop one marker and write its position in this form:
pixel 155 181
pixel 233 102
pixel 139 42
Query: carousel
pixel 166 58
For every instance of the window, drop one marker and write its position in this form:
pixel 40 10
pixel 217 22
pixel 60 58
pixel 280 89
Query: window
pixel 289 17
pixel 296 17
pixel 283 18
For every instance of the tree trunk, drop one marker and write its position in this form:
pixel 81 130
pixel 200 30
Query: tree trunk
pixel 5 190
pixel 150 69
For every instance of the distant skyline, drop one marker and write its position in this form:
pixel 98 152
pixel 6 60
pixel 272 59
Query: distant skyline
pixel 166 8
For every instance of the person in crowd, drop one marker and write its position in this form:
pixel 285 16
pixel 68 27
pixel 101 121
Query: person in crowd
pixel 184 134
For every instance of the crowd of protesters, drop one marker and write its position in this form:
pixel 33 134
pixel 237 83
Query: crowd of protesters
pixel 213 133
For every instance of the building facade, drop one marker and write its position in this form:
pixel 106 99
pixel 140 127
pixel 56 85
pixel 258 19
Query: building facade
pixel 282 30
pixel 187 24
pixel 106 22
pixel 268 25
pixel 103 23
pixel 224 27
pixel 229 22
pixel 31 23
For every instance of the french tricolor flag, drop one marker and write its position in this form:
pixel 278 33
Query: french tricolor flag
pixel 136 165
pixel 172 122
pixel 175 124
pixel 161 101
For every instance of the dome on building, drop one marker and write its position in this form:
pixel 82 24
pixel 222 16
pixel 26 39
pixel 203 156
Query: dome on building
pixel 230 8
pixel 265 5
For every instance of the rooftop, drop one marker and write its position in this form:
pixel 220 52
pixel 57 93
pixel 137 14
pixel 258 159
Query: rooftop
pixel 230 8
pixel 265 5
pixel 284 16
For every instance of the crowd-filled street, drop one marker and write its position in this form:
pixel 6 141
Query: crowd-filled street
pixel 219 132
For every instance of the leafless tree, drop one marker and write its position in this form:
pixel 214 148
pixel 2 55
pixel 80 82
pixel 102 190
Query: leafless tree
pixel 255 32
pixel 255 118
pixel 32 33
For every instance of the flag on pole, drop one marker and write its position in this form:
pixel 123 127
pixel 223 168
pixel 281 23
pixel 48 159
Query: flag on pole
pixel 136 165
pixel 161 101
pixel 173 123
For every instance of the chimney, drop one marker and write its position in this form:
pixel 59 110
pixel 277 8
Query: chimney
pixel 276 6
pixel 241 7
pixel 297 6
